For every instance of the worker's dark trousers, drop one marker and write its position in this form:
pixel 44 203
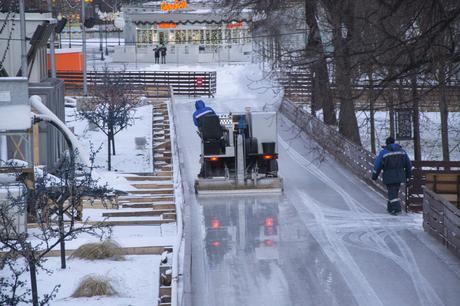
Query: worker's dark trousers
pixel 394 203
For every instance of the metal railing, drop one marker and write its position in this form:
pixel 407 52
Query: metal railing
pixel 354 157
pixel 184 83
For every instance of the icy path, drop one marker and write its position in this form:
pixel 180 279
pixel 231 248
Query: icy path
pixel 332 244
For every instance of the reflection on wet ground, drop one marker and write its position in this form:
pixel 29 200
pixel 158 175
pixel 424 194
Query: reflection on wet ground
pixel 246 226
pixel 258 248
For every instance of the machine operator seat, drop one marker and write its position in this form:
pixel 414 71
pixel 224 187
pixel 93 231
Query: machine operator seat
pixel 212 134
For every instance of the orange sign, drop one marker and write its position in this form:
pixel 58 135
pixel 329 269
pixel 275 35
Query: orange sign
pixel 176 5
pixel 167 25
pixel 235 25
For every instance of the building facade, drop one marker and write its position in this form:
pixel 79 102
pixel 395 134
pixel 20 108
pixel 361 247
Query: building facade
pixel 49 141
pixel 191 34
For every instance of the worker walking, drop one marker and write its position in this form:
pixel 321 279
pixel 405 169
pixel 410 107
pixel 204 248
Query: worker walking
pixel 397 169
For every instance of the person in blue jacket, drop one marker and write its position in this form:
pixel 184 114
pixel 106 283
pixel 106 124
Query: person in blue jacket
pixel 201 110
pixel 397 169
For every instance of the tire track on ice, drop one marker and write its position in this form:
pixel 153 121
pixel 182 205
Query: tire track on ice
pixel 425 293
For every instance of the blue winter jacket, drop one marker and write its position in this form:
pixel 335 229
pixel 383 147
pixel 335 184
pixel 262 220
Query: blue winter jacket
pixel 201 110
pixel 395 163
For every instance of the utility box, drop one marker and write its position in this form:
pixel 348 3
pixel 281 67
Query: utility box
pixel 13 204
pixel 15 113
pixel 51 142
pixel 15 120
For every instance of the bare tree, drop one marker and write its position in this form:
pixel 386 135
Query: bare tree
pixel 111 105
pixel 53 197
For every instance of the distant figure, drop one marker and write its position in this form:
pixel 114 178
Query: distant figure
pixel 157 54
pixel 163 54
pixel 397 169
pixel 201 110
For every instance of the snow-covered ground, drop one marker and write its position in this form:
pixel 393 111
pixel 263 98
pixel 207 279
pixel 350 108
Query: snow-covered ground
pixel 127 158
pixel 135 279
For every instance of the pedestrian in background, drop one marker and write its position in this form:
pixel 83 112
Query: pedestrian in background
pixel 397 169
pixel 157 54
pixel 163 54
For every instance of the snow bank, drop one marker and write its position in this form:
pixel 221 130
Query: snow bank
pixel 135 279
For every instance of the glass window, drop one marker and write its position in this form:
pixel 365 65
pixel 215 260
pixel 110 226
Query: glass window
pixel 196 37
pixel 208 37
pixel 235 36
pixel 228 36
pixel 144 37
pixel 183 36
pixel 202 38
pixel 215 40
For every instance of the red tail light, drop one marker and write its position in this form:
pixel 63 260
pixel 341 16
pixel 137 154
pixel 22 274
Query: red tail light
pixel 215 223
pixel 269 222
pixel 267 156
pixel 215 244
pixel 214 158
pixel 269 242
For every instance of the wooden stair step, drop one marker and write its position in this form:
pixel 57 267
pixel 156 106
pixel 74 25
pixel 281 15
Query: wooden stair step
pixel 135 222
pixel 150 205
pixel 153 191
pixel 160 198
pixel 162 158
pixel 148 178
pixel 152 186
pixel 151 213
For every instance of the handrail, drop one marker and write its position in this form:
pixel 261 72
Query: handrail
pixel 354 157
pixel 179 201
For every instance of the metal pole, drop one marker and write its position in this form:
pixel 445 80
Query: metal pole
pixel 70 32
pixel 22 16
pixel 106 47
pixel 53 39
pixel 83 37
pixel 101 48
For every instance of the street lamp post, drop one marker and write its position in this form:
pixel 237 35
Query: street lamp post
pixel 83 37
pixel 106 47
pixel 70 31
pixel 101 48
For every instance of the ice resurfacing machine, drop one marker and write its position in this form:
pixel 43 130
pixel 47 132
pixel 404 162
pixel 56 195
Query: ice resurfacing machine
pixel 239 154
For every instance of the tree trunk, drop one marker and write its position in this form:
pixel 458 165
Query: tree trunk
pixel 444 112
pixel 372 112
pixel 391 109
pixel 33 282
pixel 321 92
pixel 415 114
pixel 61 232
pixel 113 143
pixel 109 155
pixel 348 124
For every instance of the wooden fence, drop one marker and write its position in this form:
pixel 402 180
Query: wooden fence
pixel 355 158
pixel 425 173
pixel 297 86
pixel 185 83
pixel 441 219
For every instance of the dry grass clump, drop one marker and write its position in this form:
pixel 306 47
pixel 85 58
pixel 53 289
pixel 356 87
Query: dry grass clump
pixel 94 285
pixel 107 249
